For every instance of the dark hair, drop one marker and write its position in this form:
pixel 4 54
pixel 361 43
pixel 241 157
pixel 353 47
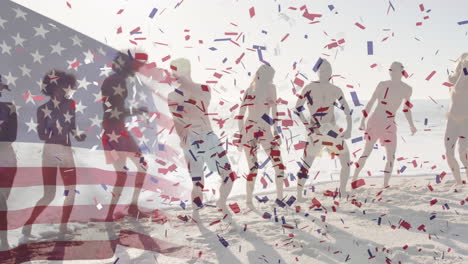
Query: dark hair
pixel 57 79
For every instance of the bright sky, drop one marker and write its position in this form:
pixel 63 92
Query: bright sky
pixel 208 20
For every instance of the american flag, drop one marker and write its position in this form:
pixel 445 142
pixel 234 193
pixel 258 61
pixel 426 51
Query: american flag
pixel 121 123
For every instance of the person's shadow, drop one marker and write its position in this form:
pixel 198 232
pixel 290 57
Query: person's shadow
pixel 8 161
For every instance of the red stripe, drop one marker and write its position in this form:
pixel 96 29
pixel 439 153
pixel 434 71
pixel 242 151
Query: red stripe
pixel 79 214
pixel 32 176
pixel 76 250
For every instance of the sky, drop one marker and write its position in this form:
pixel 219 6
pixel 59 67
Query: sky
pixel 432 46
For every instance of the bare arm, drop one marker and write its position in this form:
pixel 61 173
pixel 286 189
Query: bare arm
pixel 177 117
pixel 242 113
pixel 369 106
pixel 407 110
pixel 347 111
pixel 274 109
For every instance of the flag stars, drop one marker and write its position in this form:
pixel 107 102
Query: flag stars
pixel 13 108
pixel 2 22
pixel 73 64
pixel 113 137
pixel 32 126
pixel 69 92
pixel 5 48
pixel 25 70
pixel 10 79
pixel 105 71
pixel 41 31
pixel 37 57
pixel 29 98
pixel 83 83
pixel 46 111
pixel 118 90
pixel 80 107
pixel 142 96
pixel 115 113
pixel 56 103
pixel 18 40
pixel 76 40
pixel 68 117
pixel 96 121
pixel 97 96
pixel 89 57
pixel 57 49
pixel 20 13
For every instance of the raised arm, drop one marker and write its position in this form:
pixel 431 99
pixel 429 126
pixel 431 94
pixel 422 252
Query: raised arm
pixel 369 106
pixel 177 117
pixel 407 110
pixel 345 107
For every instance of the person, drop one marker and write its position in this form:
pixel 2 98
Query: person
pixel 457 119
pixel 321 98
pixel 119 145
pixel 257 116
pixel 8 160
pixel 56 125
pixel 381 125
pixel 189 104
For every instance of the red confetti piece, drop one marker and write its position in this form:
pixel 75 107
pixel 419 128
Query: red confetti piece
pixel 360 26
pixel 252 12
pixel 358 183
pixel 430 75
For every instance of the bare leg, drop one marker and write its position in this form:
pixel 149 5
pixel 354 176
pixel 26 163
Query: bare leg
pixel 117 189
pixel 309 155
pixel 451 138
pixel 49 176
pixel 463 151
pixel 390 149
pixel 275 156
pixel 362 160
pixel 252 161
pixel 140 179
pixel 345 169
pixel 69 182
pixel 8 174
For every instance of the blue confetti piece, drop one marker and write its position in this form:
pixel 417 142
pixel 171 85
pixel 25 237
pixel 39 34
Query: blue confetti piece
pixel 153 12
pixel 116 260
pixel 370 48
pixel 355 140
pixel 223 39
pixel 432 217
pixel 196 178
pixel 291 200
pixel 179 92
pixel 355 99
pixel 212 48
pixel 225 59
pixel 78 192
pixel 425 121
pixel 462 22
pixel 283 220
pixel 465 71
pixel 280 203
pixel 292 177
pixel 65 193
pixel 438 179
pixel 161 147
pixel 154 180
pixel 268 119
pixel 193 156
pixel 317 64
pixel 279 8
pixel 331 7
pixel 223 241
pixel 300 108
pixel 379 221
pixel 264 163
pixel 209 174
pixel 332 134
pixel 267 215
pixel 403 169
pixel 104 187
pixel 370 254
pixel 182 204
pixel 264 32
pixel 446 205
